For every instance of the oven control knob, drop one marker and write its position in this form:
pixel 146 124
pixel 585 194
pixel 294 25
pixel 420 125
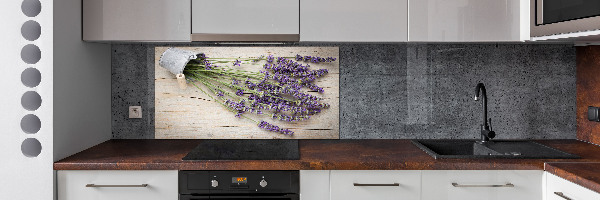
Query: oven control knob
pixel 263 183
pixel 214 183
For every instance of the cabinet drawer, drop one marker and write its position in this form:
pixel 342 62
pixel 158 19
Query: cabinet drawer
pixel 117 185
pixel 482 184
pixel 371 185
pixel 567 189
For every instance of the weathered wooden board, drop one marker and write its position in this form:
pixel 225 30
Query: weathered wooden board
pixel 190 114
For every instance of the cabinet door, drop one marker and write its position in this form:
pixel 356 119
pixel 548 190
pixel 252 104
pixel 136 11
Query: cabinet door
pixel 354 20
pixel 379 185
pixel 468 20
pixel 245 17
pixel 136 20
pixel 561 189
pixel 314 184
pixel 117 185
pixel 482 184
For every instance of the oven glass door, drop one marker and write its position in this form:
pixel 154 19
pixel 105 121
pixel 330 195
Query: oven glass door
pixel 554 11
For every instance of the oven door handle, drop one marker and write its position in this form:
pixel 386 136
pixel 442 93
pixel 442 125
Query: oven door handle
pixel 191 197
pixel 251 197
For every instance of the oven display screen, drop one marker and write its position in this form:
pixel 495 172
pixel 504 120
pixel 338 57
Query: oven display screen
pixel 239 180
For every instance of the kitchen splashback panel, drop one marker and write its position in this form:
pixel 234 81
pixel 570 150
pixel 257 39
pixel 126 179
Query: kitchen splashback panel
pixel 407 91
pixel 196 112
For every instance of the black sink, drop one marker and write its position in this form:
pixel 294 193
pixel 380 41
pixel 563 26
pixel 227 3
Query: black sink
pixel 492 149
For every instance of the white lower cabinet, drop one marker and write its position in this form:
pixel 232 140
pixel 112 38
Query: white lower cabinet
pixel 561 189
pixel 482 184
pixel 375 185
pixel 314 184
pixel 117 185
pixel 341 185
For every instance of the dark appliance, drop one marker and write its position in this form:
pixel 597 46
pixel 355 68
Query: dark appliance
pixel 245 150
pixel 235 185
pixel 555 11
pixel 555 17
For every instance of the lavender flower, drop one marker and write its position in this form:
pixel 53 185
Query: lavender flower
pixel 270 58
pixel 271 127
pixel 239 92
pixel 290 118
pixel 314 59
pixel 278 89
pixel 307 58
pixel 315 87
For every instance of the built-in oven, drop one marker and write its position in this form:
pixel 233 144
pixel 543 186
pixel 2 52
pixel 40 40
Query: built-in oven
pixel 554 17
pixel 234 185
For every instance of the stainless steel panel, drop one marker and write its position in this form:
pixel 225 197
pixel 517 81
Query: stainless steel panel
pixel 136 20
pixel 539 13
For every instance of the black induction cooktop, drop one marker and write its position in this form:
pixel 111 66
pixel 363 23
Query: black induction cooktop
pixel 245 150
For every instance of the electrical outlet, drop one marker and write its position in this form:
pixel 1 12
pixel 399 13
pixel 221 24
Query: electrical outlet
pixel 135 112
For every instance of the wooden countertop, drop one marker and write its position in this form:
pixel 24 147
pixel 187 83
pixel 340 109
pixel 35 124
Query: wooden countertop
pixel 332 155
pixel 581 173
pixel 314 155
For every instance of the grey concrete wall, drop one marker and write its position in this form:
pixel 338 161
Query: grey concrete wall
pixel 132 85
pixel 409 90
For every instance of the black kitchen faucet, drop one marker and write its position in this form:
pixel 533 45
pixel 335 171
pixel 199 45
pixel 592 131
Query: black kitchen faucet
pixel 486 129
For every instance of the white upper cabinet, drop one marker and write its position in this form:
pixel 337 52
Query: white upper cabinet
pixel 354 20
pixel 244 20
pixel 468 20
pixel 136 20
pixel 307 20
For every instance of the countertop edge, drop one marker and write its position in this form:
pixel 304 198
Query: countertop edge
pixel 551 167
